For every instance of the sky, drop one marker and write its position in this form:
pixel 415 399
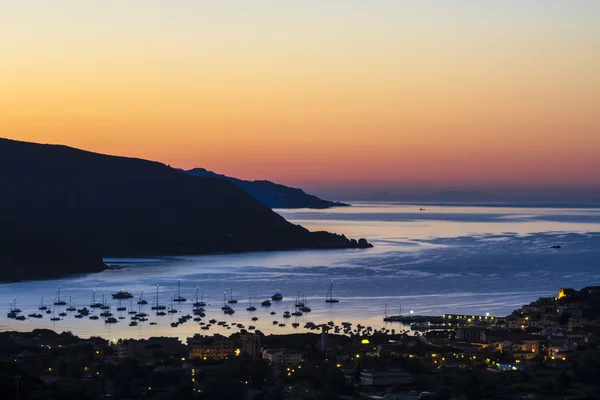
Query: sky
pixel 335 93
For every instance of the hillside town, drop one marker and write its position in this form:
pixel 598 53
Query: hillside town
pixel 547 349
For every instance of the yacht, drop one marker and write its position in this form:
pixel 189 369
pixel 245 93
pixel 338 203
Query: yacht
pixel 330 298
pixel 277 296
pixel 179 299
pixel 286 314
pixel 111 320
pixel 121 295
pixel 58 301
pixel 133 323
pixel 266 303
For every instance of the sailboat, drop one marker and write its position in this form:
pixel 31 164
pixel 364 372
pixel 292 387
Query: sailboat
pixel 305 308
pixel 330 298
pixel 141 301
pixel 299 303
pixel 171 309
pixel 250 306
pixel 121 307
pixel 225 306
pixel 104 306
pixel 199 303
pixel 94 304
pixel 158 306
pixel 179 299
pixel 42 307
pixel 231 299
pixel 71 308
pixel 131 310
pixel 58 301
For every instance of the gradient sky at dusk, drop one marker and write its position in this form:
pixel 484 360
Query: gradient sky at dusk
pixel 453 92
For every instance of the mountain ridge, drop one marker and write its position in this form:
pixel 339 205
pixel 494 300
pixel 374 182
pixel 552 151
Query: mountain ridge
pixel 271 194
pixel 120 206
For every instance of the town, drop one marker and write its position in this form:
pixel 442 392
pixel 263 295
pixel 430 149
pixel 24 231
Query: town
pixel 547 349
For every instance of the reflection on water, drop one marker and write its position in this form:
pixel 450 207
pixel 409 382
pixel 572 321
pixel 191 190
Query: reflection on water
pixel 441 260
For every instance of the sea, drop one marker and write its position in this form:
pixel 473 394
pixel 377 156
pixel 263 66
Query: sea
pixel 429 259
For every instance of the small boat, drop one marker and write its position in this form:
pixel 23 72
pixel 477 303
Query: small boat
pixel 229 312
pixel 106 314
pixel 42 307
pixel 330 298
pixel 286 314
pixel 281 325
pixel 250 306
pixel 161 313
pixel 231 299
pixel 79 316
pixel 83 311
pixel 62 314
pixel 104 306
pixel 70 308
pixel 275 322
pixel 122 295
pixel 297 313
pixel 254 318
pixel 53 318
pixel 94 317
pixel 35 315
pixel 174 324
pixel 197 319
pixel 295 324
pixel 121 308
pixel 48 311
pixel 266 303
pixel 58 301
pixel 179 298
pixel 141 301
pixel 133 323
pixel 277 296
pixel 153 323
pixel 273 313
pixel 111 320
pixel 158 306
pixel 251 327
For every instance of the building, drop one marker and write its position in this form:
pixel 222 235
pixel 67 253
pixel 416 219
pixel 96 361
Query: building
pixel 384 377
pixel 217 347
pixel 471 335
pixel 250 343
pixel 278 356
pixel 437 338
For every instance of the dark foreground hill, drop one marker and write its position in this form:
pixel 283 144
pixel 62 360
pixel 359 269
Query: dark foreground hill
pixel 273 195
pixel 117 206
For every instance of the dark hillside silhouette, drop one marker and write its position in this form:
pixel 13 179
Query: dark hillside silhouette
pixel 273 195
pixel 117 206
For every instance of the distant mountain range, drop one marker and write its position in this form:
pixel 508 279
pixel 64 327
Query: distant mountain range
pixel 273 195
pixel 93 204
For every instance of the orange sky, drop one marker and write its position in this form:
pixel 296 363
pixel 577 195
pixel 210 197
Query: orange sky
pixel 348 91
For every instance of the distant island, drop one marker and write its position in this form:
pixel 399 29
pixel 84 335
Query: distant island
pixel 94 205
pixel 272 195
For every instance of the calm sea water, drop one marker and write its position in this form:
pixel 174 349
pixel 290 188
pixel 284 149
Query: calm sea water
pixel 444 259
